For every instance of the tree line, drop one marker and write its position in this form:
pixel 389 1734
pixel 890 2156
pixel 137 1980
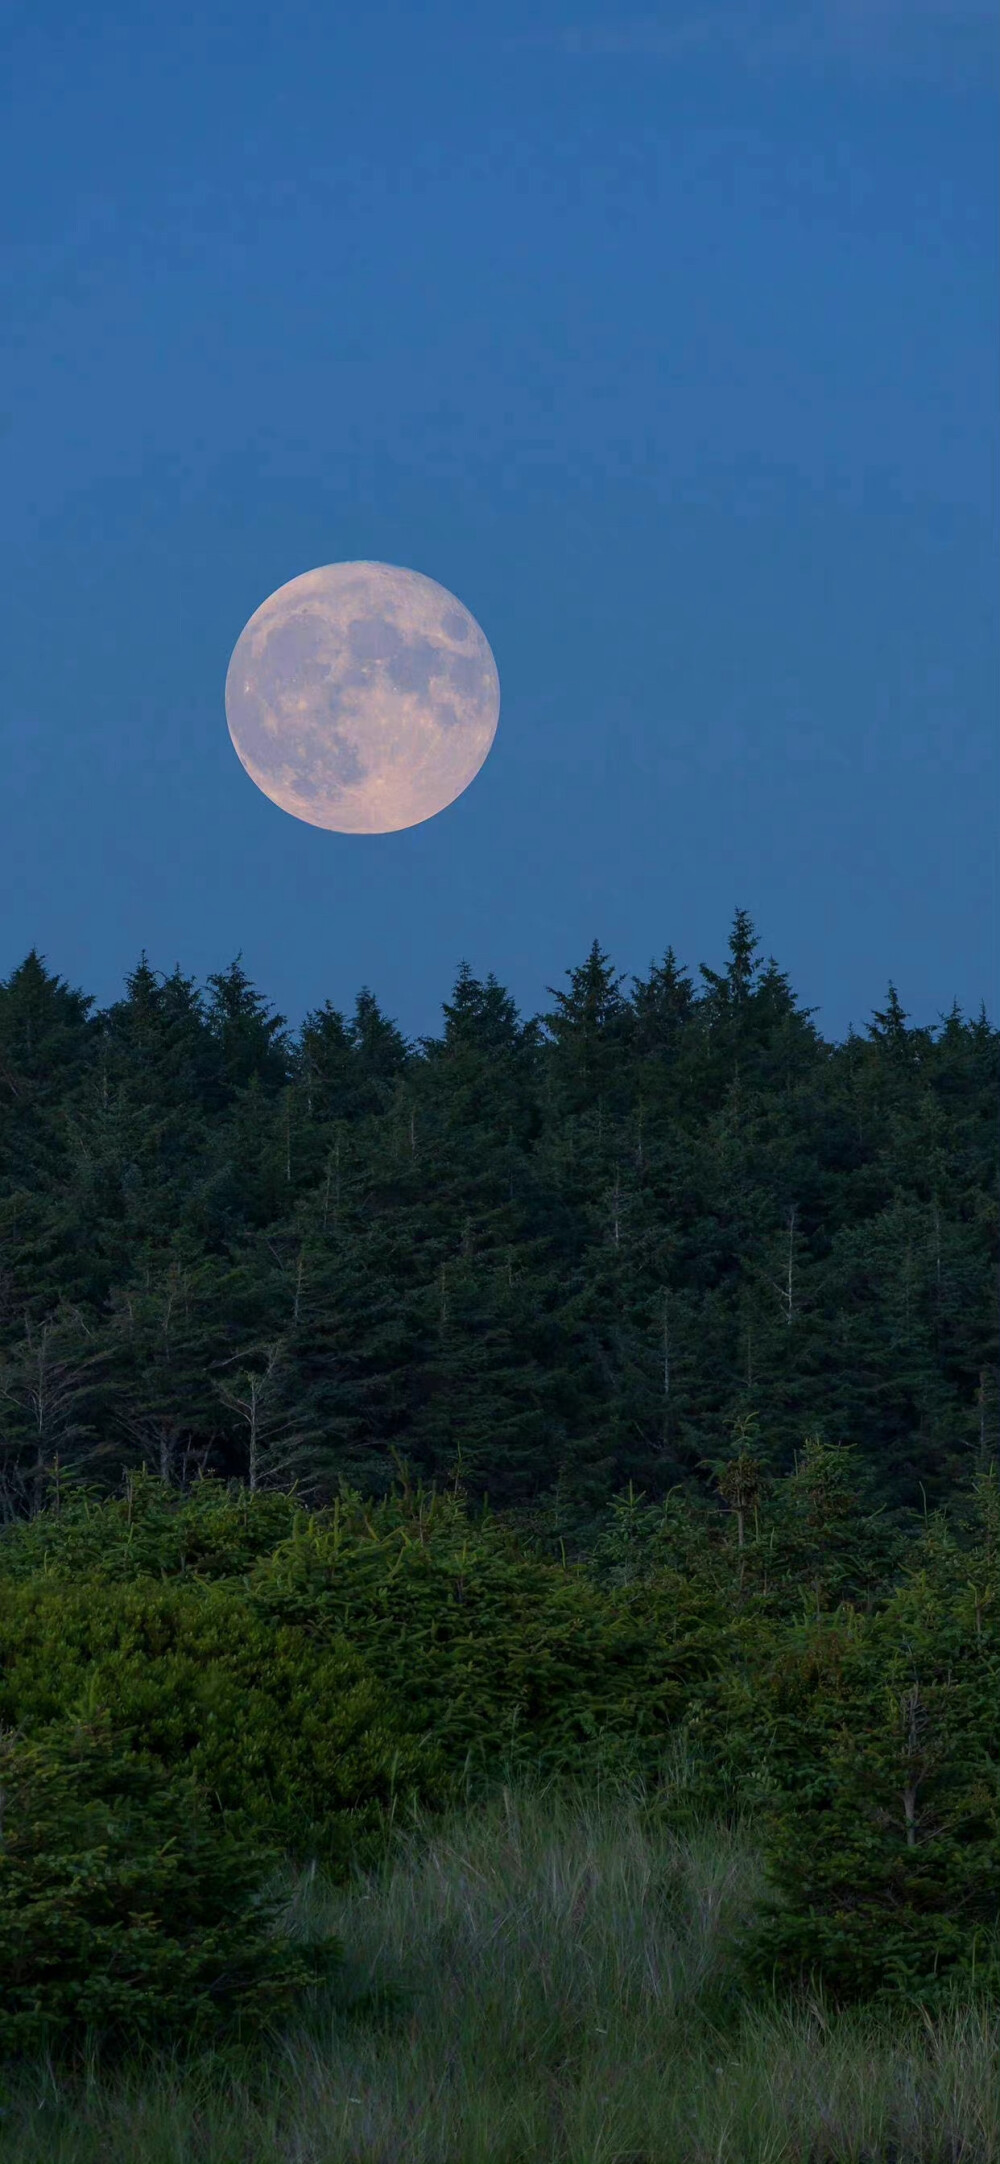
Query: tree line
pixel 540 1258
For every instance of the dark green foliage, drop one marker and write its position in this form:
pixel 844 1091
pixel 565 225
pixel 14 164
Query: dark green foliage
pixel 506 1656
pixel 314 1672
pixel 549 1258
pixel 574 1394
pixel 884 1822
pixel 251 1040
pixel 282 1723
pixel 209 1531
pixel 128 1911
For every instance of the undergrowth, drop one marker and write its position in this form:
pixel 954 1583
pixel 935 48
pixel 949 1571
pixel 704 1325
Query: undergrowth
pixel 541 1979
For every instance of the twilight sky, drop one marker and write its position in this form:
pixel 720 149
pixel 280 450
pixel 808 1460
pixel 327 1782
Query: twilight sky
pixel 666 341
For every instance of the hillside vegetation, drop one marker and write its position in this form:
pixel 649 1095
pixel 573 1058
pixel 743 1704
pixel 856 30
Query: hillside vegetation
pixel 499 1573
pixel 546 1257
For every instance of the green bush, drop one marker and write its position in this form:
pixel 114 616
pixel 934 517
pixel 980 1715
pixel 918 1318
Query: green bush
pixel 128 1911
pixel 505 1657
pixel 883 1836
pixel 354 1659
pixel 286 1731
pixel 215 1529
pixel 374 1654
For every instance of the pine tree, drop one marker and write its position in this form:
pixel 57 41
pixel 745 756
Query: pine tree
pixel 565 1257
pixel 663 1005
pixel 46 1029
pixel 589 1029
pixel 380 1050
pixel 251 1038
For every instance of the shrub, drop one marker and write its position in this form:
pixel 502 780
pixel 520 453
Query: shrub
pixel 127 1908
pixel 287 1732
pixel 503 1656
pixel 883 1836
pixel 214 1530
pixel 378 1652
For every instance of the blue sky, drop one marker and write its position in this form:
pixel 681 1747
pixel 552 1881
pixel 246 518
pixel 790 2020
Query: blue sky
pixel 667 341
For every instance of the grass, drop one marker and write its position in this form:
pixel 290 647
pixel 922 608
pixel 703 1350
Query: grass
pixel 543 1981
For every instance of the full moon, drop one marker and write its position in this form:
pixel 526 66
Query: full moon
pixel 362 698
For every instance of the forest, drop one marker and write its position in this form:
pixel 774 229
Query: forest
pixel 545 1258
pixel 499 1571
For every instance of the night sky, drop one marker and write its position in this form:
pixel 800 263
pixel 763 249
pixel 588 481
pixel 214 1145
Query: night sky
pixel 666 342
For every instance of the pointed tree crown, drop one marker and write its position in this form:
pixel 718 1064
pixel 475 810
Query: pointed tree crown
pixel 324 1041
pixel 251 1035
pixel 44 1023
pixel 379 1047
pixel 594 1003
pixel 479 1016
pixel 663 1004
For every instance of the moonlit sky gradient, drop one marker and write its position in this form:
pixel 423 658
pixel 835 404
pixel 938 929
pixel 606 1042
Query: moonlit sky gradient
pixel 665 340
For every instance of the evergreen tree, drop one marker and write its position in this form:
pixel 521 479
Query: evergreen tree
pixel 380 1051
pixel 553 1259
pixel 589 1028
pixel 46 1030
pixel 664 1008
pixel 251 1038
pixel 481 1017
